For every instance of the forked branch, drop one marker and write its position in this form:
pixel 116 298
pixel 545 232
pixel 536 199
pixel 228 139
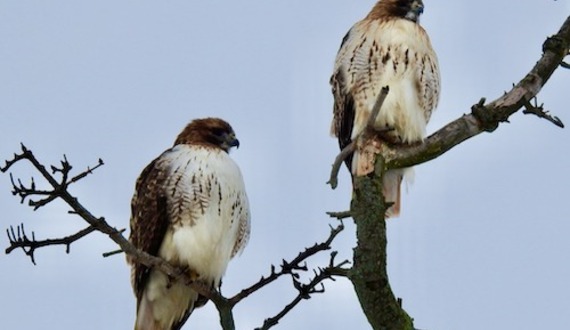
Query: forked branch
pixel 37 198
pixel 538 110
pixel 369 271
pixel 289 267
pixel 487 117
pixel 19 239
pixel 483 117
pixel 314 286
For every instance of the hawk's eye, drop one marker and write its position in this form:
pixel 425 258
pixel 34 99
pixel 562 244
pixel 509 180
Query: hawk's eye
pixel 219 132
pixel 404 4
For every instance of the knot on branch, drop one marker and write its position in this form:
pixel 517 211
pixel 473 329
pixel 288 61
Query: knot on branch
pixel 557 45
pixel 488 120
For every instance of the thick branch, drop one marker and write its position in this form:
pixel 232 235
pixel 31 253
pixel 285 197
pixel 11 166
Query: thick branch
pixel 369 273
pixel 485 117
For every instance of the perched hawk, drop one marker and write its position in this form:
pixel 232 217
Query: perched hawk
pixel 190 208
pixel 387 48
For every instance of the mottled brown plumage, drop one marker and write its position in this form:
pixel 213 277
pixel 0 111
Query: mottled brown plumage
pixel 147 202
pixel 190 208
pixel 387 48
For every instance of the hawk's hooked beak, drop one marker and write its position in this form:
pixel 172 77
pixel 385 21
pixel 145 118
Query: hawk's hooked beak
pixel 234 143
pixel 415 12
pixel 231 140
pixel 418 8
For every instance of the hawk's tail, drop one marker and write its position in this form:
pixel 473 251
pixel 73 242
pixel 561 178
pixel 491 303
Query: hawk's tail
pixel 165 304
pixel 391 188
pixel 145 316
pixel 363 164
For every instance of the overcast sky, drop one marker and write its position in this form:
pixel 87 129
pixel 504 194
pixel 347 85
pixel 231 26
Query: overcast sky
pixel 484 237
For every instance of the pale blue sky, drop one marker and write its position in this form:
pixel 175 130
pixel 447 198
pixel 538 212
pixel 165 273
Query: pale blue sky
pixel 483 241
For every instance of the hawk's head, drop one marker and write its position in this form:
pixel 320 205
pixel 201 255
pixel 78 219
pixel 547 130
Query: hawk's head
pixel 213 132
pixel 407 9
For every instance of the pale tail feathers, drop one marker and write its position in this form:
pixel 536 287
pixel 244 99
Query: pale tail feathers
pixel 165 307
pixel 145 319
pixel 363 164
pixel 391 188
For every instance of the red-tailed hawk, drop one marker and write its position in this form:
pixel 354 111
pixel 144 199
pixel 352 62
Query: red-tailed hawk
pixel 387 48
pixel 191 209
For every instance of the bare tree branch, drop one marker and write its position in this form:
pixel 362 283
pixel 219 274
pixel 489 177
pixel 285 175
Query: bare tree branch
pixel 349 149
pixel 340 215
pixel 369 274
pixel 112 253
pixel 368 206
pixel 19 239
pixel 58 187
pixel 289 267
pixel 538 110
pixel 305 291
pixel 97 223
pixel 485 117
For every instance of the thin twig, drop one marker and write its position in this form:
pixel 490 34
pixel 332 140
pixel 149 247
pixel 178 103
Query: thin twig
pixel 58 187
pixel 19 239
pixel 289 267
pixel 487 116
pixel 305 291
pixel 351 147
pixel 538 110
pixel 347 151
pixel 112 253
pixel 376 108
pixel 99 223
pixel 340 215
pixel 86 172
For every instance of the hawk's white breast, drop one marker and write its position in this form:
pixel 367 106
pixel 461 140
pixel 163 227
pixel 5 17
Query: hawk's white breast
pixel 208 209
pixel 395 53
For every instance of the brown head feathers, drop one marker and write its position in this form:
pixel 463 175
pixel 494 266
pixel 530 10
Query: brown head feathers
pixel 211 132
pixel 389 9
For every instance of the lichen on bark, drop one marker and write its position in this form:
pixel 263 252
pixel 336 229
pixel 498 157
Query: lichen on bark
pixel 369 274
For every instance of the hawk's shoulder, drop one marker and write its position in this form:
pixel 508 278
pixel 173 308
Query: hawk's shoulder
pixel 149 216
